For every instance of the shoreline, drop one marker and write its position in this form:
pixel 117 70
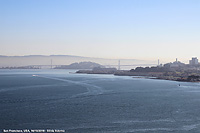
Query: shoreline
pixel 143 75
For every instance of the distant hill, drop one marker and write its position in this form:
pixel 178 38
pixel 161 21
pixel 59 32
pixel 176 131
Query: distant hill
pixel 81 65
pixel 16 61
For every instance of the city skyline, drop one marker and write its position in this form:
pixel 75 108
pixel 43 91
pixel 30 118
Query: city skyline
pixel 147 30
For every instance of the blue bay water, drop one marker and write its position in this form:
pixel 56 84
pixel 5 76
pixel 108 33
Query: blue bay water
pixel 61 99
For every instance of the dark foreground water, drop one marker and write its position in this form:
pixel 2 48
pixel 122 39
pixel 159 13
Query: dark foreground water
pixel 57 99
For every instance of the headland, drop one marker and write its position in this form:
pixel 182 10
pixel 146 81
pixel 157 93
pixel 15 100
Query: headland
pixel 175 71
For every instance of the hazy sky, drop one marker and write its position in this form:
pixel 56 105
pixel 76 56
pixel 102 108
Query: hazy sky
pixel 138 29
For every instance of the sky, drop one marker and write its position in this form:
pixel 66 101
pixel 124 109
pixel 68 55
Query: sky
pixel 128 29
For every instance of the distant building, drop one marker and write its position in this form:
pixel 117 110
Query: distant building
pixel 176 64
pixel 194 61
pixel 159 65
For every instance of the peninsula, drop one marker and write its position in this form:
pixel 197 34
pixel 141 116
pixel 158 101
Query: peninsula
pixel 176 71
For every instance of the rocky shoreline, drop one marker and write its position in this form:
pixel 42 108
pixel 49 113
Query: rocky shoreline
pixel 181 77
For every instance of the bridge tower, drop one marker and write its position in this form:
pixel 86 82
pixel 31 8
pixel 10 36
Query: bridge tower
pixel 118 64
pixel 51 64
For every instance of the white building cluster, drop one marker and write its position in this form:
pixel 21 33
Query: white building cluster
pixel 194 61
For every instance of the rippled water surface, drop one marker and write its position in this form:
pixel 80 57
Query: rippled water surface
pixel 60 99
